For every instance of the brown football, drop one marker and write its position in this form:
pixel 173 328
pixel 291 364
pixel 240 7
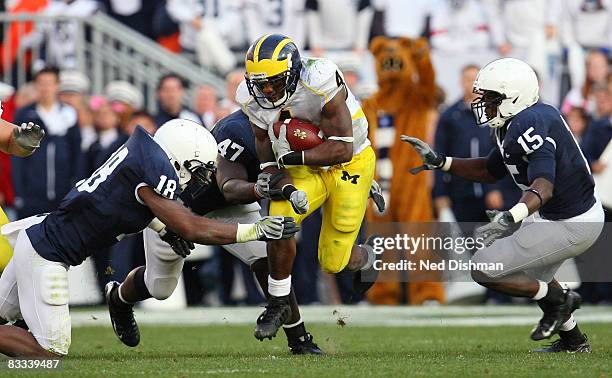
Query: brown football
pixel 302 135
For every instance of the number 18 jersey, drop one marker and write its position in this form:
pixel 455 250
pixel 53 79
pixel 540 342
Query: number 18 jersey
pixel 103 208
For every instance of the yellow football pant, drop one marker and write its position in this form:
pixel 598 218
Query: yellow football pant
pixel 343 191
pixel 6 252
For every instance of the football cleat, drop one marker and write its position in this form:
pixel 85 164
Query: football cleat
pixel 276 314
pixel 562 345
pixel 370 275
pixel 554 317
pixel 305 345
pixel 122 317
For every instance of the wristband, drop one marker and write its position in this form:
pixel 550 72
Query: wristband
pixel 265 165
pixel 287 190
pixel 519 212
pixel 447 163
pixel 246 232
pixel 292 158
pixel 534 191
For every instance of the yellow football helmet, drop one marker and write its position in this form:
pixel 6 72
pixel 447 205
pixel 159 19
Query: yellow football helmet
pixel 272 70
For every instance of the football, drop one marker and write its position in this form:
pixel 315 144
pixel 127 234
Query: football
pixel 302 135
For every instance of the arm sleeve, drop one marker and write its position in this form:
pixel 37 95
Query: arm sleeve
pixel 495 164
pixel 542 163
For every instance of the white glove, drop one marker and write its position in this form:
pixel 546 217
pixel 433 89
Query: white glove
pixel 267 228
pixel 280 145
pixel 299 202
pixel 500 226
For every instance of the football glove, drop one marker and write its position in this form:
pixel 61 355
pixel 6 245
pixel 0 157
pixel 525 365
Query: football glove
pixel 275 227
pixel 28 136
pixel 299 201
pixel 265 186
pixel 179 245
pixel 500 225
pixel 431 159
pixel 377 197
pixel 280 145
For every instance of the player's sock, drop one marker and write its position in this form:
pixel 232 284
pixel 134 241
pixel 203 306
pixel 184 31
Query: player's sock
pixel 296 330
pixel 279 288
pixel 570 332
pixel 142 292
pixel 118 301
pixel 549 294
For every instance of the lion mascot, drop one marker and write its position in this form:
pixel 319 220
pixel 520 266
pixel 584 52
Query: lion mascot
pixel 403 104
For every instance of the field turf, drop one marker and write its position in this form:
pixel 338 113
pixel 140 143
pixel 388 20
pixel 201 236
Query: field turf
pixel 356 351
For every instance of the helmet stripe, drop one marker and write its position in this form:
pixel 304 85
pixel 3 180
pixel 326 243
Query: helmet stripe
pixel 280 46
pixel 258 46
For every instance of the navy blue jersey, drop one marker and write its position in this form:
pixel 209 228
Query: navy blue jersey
pixel 236 143
pixel 538 143
pixel 103 208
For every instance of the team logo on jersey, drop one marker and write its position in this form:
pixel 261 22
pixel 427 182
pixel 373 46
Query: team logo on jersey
pixel 347 177
pixel 299 134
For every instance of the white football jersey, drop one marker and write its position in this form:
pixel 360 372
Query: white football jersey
pixel 320 80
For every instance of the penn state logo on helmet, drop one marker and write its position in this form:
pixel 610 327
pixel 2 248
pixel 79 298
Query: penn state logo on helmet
pixel 192 151
pixel 506 87
pixel 273 68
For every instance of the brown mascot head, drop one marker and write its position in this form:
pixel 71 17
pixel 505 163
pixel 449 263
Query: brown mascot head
pixel 395 59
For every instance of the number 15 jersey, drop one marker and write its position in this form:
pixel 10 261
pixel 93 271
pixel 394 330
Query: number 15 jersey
pixel 103 208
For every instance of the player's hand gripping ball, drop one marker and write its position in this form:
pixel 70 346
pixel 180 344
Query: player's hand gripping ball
pixel 302 135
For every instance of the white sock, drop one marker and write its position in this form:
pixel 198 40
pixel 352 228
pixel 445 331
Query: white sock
pixel 120 296
pixel 371 256
pixel 293 324
pixel 279 288
pixel 542 291
pixel 569 324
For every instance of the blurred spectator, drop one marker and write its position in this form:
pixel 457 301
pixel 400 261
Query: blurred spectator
pixel 597 137
pixel 587 23
pixel 125 100
pixel 403 18
pixel 59 38
pixel 277 17
pixel 460 27
pixel 209 29
pixel 141 118
pixel 232 81
pixel 458 135
pixel 171 94
pixel 329 29
pixel 26 95
pixel 577 120
pixel 43 179
pixel 137 14
pixel 108 135
pixel 73 90
pixel 206 105
pixel 597 71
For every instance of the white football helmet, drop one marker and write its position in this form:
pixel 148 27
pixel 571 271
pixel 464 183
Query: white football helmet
pixel 506 87
pixel 192 151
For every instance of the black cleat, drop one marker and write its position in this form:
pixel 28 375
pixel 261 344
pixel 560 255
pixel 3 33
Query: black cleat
pixel 553 318
pixel 360 287
pixel 305 345
pixel 562 345
pixel 276 314
pixel 122 317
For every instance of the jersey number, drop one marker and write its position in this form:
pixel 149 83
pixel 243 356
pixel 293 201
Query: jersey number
pixel 223 146
pixel 166 187
pixel 101 174
pixel 535 139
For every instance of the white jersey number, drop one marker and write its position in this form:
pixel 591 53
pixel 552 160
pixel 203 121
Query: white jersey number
pixel 101 174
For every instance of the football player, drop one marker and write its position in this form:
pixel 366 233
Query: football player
pixel 336 174
pixel 559 215
pixel 236 173
pixel 139 182
pixel 19 141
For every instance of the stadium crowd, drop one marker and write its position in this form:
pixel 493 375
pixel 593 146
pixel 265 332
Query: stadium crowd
pixel 568 42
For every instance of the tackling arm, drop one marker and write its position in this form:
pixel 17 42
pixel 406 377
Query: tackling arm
pixel 19 141
pixel 232 179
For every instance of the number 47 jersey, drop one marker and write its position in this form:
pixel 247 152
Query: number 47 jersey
pixel 103 208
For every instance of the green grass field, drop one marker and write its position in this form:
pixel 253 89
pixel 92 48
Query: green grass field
pixel 229 350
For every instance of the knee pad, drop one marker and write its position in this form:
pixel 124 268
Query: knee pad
pixel 54 285
pixel 161 287
pixel 334 255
